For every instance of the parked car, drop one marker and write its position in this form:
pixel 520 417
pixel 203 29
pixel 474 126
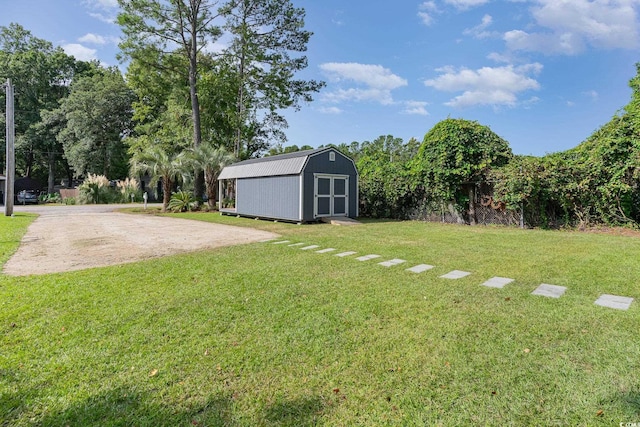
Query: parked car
pixel 27 196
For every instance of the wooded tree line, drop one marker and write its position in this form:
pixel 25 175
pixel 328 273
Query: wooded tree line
pixel 182 88
pixel 598 182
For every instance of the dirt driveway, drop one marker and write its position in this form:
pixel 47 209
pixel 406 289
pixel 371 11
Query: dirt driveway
pixel 78 237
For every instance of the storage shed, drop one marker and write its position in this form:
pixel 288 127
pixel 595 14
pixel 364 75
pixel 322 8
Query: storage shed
pixel 303 186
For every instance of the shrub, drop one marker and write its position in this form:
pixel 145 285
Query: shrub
pixel 182 201
pixel 70 201
pixel 50 198
pixel 129 190
pixel 96 189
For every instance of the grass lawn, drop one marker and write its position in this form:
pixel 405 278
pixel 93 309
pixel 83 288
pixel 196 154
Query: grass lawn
pixel 269 335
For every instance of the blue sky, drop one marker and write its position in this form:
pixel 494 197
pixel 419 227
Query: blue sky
pixel 543 74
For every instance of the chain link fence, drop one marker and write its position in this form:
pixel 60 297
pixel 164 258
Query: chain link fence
pixel 487 211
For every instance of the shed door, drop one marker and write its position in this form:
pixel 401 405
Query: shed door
pixel 331 195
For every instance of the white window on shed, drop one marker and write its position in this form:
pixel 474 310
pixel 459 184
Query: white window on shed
pixel 332 156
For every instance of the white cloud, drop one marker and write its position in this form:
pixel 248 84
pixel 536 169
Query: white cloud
pixel 571 25
pixel 381 96
pixel 102 4
pixel 97 39
pixel 497 86
pixel 102 10
pixel 426 11
pixel 550 44
pixel 466 4
pixel 92 39
pixel 480 30
pixel 415 107
pixel 103 18
pixel 497 57
pixel 330 110
pixel 374 82
pixel 80 52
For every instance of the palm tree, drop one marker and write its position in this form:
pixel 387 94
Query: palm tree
pixel 160 165
pixel 211 160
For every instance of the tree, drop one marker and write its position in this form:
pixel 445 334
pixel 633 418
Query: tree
pixel 279 149
pixel 41 75
pixel 166 28
pixel 265 34
pixel 98 113
pixel 47 131
pixel 454 157
pixel 211 160
pixel 161 166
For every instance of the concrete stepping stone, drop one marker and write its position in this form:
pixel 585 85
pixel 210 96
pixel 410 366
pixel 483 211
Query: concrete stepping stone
pixel 614 301
pixel 281 242
pixel 497 282
pixel 420 268
pixel 344 254
pixel 392 262
pixel 455 274
pixel 308 248
pixel 324 251
pixel 551 291
pixel 368 257
pixel 297 244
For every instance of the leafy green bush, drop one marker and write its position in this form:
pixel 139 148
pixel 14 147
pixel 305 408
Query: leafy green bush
pixel 70 201
pixel 50 198
pixel 182 201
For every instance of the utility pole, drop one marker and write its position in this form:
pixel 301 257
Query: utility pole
pixel 11 166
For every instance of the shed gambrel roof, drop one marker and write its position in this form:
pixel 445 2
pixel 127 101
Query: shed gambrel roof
pixel 282 164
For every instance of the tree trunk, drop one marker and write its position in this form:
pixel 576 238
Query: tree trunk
pixel 240 106
pixel 52 172
pixel 167 185
pixel 472 205
pixel 69 174
pixel 210 180
pixel 29 168
pixel 195 103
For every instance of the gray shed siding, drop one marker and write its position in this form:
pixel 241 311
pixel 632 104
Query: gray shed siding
pixel 320 163
pixel 275 197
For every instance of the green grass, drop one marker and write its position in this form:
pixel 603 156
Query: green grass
pixel 268 335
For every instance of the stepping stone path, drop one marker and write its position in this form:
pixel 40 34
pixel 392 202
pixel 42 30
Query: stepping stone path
pixel 497 282
pixel 420 268
pixel 308 248
pixel 324 251
pixel 368 257
pixel 455 274
pixel 546 290
pixel 551 291
pixel 392 262
pixel 344 254
pixel 614 301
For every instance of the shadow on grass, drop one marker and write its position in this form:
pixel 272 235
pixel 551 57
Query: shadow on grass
pixel 630 402
pixel 299 412
pixel 123 407
pixel 127 407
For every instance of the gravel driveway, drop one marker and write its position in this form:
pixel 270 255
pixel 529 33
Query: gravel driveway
pixel 65 238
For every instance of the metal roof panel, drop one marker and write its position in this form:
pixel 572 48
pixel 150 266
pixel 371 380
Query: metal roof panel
pixel 282 164
pixel 286 166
